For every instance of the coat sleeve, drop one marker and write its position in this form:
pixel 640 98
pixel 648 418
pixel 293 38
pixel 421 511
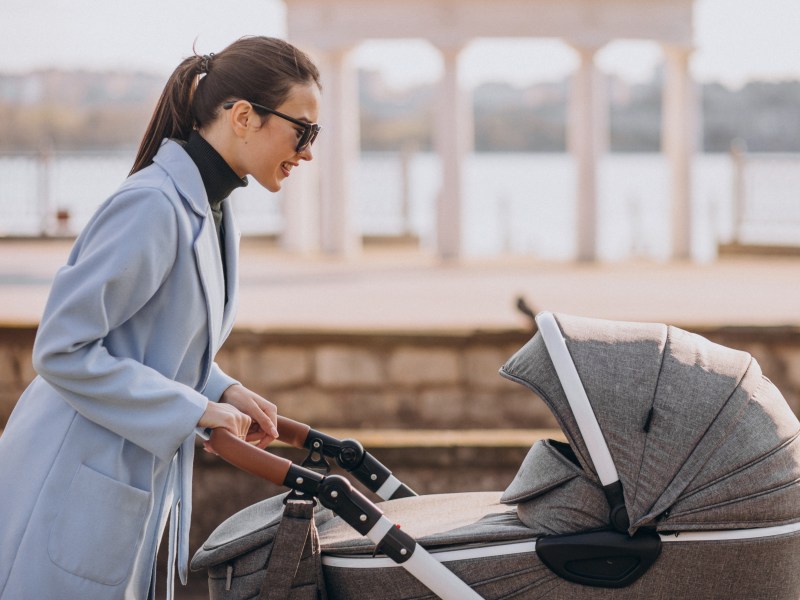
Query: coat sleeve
pixel 123 256
pixel 218 382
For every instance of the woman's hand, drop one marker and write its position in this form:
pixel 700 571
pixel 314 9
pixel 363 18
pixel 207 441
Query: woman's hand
pixel 264 414
pixel 225 416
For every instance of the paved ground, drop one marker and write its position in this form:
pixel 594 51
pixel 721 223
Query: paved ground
pixel 404 289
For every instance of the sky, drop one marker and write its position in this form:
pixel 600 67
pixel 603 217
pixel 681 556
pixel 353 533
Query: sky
pixel 736 41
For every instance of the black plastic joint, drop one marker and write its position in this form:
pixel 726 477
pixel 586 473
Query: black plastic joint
pixel 371 472
pixel 352 506
pixel 397 545
pixel 618 515
pixel 322 442
pixel 350 455
pixel 302 480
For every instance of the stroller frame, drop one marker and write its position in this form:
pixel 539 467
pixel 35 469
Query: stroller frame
pixel 601 558
pixel 337 494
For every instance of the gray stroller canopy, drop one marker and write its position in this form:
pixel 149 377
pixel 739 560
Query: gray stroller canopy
pixel 699 437
pixel 681 446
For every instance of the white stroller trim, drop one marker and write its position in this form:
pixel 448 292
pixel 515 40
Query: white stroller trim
pixel 507 549
pixel 731 534
pixel 577 398
pixel 585 418
pixel 427 569
pixel 389 487
pixel 444 556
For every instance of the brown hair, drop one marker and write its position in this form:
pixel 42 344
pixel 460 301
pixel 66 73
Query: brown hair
pixel 255 68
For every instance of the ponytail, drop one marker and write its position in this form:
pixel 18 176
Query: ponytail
pixel 255 68
pixel 172 117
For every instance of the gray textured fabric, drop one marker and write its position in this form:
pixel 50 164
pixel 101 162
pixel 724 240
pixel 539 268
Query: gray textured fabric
pixel 695 408
pixel 294 570
pixel 237 553
pixel 254 526
pixel 762 569
pixel 543 469
pixel 695 430
pixel 435 520
pixel 520 576
pixel 554 495
pixel 531 366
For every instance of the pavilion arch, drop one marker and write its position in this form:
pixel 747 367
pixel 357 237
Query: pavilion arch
pixel 331 30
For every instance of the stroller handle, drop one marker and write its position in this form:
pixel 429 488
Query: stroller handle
pixel 349 454
pixel 292 432
pixel 336 493
pixel 247 457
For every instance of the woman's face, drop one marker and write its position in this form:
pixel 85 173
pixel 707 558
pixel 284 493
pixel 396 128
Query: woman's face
pixel 270 152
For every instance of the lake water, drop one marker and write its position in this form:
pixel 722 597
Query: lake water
pixel 513 203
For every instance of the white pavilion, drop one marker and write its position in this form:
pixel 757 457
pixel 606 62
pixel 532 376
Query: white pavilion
pixel 319 212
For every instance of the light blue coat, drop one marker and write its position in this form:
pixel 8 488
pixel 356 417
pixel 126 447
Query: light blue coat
pixel 100 446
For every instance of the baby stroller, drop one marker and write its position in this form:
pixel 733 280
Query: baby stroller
pixel 680 478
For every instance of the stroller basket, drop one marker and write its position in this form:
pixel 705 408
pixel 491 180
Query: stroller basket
pixel 680 478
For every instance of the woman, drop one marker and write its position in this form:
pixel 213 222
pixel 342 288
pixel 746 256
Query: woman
pixel 98 451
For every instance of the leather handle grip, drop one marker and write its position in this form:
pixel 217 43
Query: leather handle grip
pixel 249 458
pixel 292 432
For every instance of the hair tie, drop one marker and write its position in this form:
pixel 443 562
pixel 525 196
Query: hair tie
pixel 205 62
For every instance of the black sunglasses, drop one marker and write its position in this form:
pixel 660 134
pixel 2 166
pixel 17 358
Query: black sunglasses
pixel 310 130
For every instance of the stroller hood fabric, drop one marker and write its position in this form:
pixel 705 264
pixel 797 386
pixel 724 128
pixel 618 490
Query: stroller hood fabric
pixel 700 438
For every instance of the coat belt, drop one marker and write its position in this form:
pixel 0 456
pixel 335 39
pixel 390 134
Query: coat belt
pixel 180 516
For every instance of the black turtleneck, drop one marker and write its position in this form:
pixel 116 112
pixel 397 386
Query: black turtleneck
pixel 218 177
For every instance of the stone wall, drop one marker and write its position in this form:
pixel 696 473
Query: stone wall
pixel 16 372
pixel 399 381
pixel 387 381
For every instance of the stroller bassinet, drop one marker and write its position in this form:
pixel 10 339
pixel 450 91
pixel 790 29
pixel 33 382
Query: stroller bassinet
pixel 681 478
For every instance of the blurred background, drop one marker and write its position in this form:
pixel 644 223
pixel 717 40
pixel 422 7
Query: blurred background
pixel 392 344
pixel 78 83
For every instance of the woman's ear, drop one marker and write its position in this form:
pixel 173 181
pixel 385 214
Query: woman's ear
pixel 241 117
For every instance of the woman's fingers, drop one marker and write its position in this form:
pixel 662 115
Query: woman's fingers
pixel 264 414
pixel 227 417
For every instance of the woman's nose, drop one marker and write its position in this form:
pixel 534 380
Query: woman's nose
pixel 306 154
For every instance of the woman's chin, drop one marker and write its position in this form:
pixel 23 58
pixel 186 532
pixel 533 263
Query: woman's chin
pixel 272 185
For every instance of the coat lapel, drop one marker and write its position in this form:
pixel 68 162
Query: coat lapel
pixel 209 268
pixel 181 168
pixel 232 238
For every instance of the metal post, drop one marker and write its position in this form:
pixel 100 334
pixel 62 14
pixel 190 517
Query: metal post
pixel 44 160
pixel 406 154
pixel 738 150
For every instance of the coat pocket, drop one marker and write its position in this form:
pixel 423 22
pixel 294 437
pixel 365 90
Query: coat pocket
pixel 99 528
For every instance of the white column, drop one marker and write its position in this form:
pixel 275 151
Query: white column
pixel 454 137
pixel 338 153
pixel 679 128
pixel 587 139
pixel 301 209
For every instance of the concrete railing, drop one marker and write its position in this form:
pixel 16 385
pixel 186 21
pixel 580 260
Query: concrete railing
pixel 402 381
pixel 766 214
